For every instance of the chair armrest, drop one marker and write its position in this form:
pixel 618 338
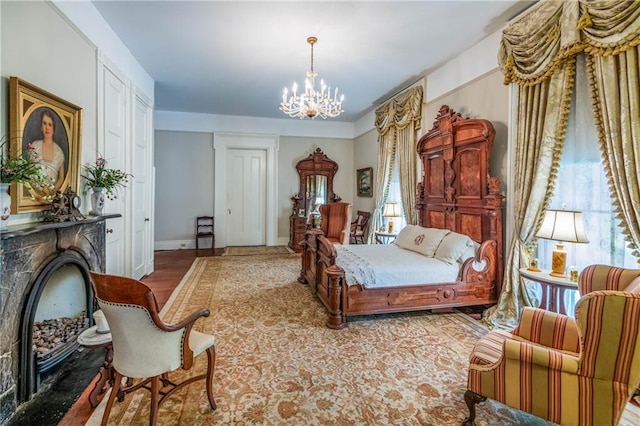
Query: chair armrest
pixel 523 352
pixel 549 329
pixel 185 323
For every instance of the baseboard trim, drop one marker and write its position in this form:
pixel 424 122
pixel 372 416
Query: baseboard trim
pixel 174 245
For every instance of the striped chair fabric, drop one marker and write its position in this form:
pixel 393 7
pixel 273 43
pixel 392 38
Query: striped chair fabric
pixel 571 372
pixel 336 222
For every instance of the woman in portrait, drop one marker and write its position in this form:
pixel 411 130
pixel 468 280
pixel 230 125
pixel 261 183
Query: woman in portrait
pixel 49 154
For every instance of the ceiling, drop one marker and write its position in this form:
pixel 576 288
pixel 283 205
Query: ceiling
pixel 236 57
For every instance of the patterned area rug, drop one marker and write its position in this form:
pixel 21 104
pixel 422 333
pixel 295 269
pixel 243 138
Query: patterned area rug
pixel 277 363
pixel 255 250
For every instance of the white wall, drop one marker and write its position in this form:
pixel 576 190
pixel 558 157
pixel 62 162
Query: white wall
pixel 58 53
pixel 55 57
pixel 184 164
pixel 86 18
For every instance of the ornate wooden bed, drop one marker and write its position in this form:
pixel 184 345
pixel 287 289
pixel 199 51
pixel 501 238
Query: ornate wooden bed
pixel 456 193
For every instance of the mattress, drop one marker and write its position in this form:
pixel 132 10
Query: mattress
pixel 388 265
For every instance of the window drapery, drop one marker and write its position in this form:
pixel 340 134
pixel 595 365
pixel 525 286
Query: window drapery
pixel 397 122
pixel 537 52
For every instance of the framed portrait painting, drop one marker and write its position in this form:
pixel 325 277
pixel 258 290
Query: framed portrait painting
pixel 51 127
pixel 364 180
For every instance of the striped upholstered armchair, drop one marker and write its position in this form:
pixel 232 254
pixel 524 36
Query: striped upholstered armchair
pixel 336 222
pixel 571 372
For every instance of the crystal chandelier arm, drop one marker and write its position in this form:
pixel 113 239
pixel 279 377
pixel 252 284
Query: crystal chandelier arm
pixel 312 103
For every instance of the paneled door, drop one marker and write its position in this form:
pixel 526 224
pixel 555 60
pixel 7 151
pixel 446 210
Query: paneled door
pixel 112 145
pixel 246 197
pixel 141 183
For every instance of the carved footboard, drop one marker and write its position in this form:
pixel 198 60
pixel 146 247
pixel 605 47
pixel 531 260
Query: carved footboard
pixel 476 285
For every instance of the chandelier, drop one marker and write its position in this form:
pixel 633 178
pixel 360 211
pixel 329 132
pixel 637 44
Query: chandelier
pixel 312 103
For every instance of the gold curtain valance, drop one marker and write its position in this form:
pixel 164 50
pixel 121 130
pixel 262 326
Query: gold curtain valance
pixel 401 111
pixel 535 45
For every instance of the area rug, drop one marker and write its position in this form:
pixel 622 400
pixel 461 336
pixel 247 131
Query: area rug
pixel 256 250
pixel 277 363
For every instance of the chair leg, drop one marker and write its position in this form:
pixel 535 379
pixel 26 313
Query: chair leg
pixel 211 364
pixel 155 390
pixel 471 399
pixel 117 381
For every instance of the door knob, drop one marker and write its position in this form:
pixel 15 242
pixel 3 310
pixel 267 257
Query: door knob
pixel 146 219
pixel 109 231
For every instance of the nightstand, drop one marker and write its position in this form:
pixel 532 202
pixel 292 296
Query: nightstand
pixel 385 237
pixel 553 289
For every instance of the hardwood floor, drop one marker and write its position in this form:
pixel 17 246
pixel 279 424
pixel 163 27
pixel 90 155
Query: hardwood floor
pixel 170 267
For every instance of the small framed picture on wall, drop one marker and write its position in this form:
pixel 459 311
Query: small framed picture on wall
pixel 364 181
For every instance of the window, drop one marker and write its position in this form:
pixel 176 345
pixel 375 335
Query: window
pixel 582 185
pixel 394 196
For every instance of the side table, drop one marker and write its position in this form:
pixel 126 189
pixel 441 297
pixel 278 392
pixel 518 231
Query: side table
pixel 553 289
pixel 91 339
pixel 385 237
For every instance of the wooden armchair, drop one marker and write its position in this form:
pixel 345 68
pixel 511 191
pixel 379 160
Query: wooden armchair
pixel 336 222
pixel 144 346
pixel 360 228
pixel 571 372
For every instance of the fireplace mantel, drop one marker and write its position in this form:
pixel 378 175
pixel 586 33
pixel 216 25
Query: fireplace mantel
pixel 33 227
pixel 28 252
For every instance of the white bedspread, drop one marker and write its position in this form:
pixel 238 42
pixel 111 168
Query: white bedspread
pixel 380 265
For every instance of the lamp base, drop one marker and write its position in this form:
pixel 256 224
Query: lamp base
pixel 559 262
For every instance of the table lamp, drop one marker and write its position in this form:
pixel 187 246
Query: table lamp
pixel 391 210
pixel 562 226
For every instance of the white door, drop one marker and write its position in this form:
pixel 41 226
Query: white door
pixel 264 201
pixel 141 187
pixel 113 141
pixel 246 197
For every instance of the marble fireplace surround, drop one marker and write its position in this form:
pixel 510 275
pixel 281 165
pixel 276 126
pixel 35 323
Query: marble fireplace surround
pixel 28 255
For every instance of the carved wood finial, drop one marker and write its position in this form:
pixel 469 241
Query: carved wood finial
pixel 494 185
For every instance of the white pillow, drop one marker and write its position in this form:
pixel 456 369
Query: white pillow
pixel 421 240
pixel 634 285
pixel 455 247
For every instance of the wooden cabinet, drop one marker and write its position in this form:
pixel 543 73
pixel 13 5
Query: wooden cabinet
pixel 297 228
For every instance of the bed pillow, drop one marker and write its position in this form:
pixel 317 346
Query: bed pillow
pixel 421 240
pixel 455 247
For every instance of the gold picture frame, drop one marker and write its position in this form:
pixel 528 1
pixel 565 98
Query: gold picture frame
pixel 29 108
pixel 364 181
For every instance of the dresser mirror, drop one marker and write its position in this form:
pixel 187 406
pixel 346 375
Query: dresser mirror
pixel 316 174
pixel 315 193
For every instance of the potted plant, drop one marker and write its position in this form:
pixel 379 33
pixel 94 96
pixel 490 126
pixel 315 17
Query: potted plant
pixel 24 169
pixel 103 182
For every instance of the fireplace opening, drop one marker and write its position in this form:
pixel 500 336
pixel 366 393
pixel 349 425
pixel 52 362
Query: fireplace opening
pixel 58 308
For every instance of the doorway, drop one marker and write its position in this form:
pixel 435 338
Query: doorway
pixel 245 196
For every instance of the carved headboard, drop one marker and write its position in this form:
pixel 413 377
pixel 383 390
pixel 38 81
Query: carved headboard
pixel 457 192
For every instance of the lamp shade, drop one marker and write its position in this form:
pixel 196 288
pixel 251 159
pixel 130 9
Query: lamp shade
pixel 563 225
pixel 391 210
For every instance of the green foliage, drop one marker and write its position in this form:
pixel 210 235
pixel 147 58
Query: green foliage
pixel 23 169
pixel 99 176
